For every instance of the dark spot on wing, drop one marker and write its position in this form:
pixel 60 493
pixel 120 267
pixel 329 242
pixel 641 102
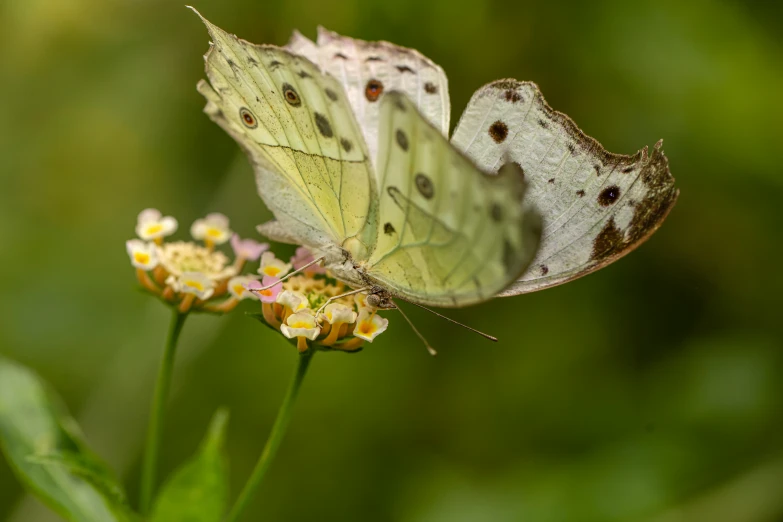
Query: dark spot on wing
pixel 608 196
pixel 551 180
pixel 388 229
pixel 251 60
pixel 430 88
pixel 347 145
pixel 424 185
pixel 544 270
pixel 304 74
pixel 609 241
pixel 513 96
pixel 341 56
pixel 373 90
pixel 580 193
pixel 247 118
pixel 402 140
pixel 330 94
pixel 274 64
pixel 571 148
pixel 597 169
pixel 230 62
pixel 543 124
pixel 496 213
pixel 324 127
pixel 291 96
pixel 405 68
pixel 374 59
pixel 498 131
pixel 627 170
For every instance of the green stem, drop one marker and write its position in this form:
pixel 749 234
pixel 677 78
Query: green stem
pixel 274 440
pixel 154 431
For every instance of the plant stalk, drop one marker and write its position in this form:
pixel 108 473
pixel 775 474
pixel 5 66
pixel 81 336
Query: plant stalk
pixel 274 440
pixel 155 429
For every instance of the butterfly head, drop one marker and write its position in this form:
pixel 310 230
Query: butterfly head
pixel 380 298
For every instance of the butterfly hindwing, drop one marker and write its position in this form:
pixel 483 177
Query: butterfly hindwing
pixel 312 166
pixel 449 235
pixel 367 70
pixel 596 206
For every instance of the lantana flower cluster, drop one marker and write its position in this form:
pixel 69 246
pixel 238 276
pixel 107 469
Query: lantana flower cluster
pixel 307 307
pixel 310 307
pixel 192 275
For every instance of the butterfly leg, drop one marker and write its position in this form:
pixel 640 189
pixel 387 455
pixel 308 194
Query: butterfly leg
pixel 297 271
pixel 346 294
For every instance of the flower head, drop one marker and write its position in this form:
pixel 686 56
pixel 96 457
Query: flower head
pixel 151 225
pixel 269 295
pixel 369 325
pixel 336 313
pixel 181 256
pixel 143 255
pixel 238 287
pixel 301 324
pixel 302 257
pixel 309 301
pixel 213 229
pixel 194 283
pixel 186 274
pixel 294 301
pixel 247 248
pixel 272 266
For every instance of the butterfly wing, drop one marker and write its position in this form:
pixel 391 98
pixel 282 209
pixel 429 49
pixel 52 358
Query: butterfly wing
pixel 368 69
pixel 296 126
pixel 596 206
pixel 449 235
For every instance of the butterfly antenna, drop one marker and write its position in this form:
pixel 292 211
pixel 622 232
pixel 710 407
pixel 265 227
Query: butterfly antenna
pixel 482 334
pixel 417 332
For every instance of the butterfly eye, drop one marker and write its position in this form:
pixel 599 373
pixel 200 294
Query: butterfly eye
pixel 247 118
pixel 291 96
pixel 373 90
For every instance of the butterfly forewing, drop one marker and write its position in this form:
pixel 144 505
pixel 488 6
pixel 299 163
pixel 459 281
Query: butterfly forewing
pixel 311 163
pixel 449 235
pixel 596 206
pixel 367 70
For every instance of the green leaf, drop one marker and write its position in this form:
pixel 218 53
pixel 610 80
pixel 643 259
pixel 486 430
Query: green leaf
pixel 45 448
pixel 87 468
pixel 198 491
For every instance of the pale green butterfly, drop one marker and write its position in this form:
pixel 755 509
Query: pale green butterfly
pixel 348 142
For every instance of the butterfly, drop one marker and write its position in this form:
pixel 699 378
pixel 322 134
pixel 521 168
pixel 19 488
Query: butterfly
pixel 349 144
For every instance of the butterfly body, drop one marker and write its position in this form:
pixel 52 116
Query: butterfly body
pixel 348 140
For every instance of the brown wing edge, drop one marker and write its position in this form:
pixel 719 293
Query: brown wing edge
pixel 611 243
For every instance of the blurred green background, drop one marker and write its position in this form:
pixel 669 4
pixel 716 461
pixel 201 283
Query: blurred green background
pixel 650 391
